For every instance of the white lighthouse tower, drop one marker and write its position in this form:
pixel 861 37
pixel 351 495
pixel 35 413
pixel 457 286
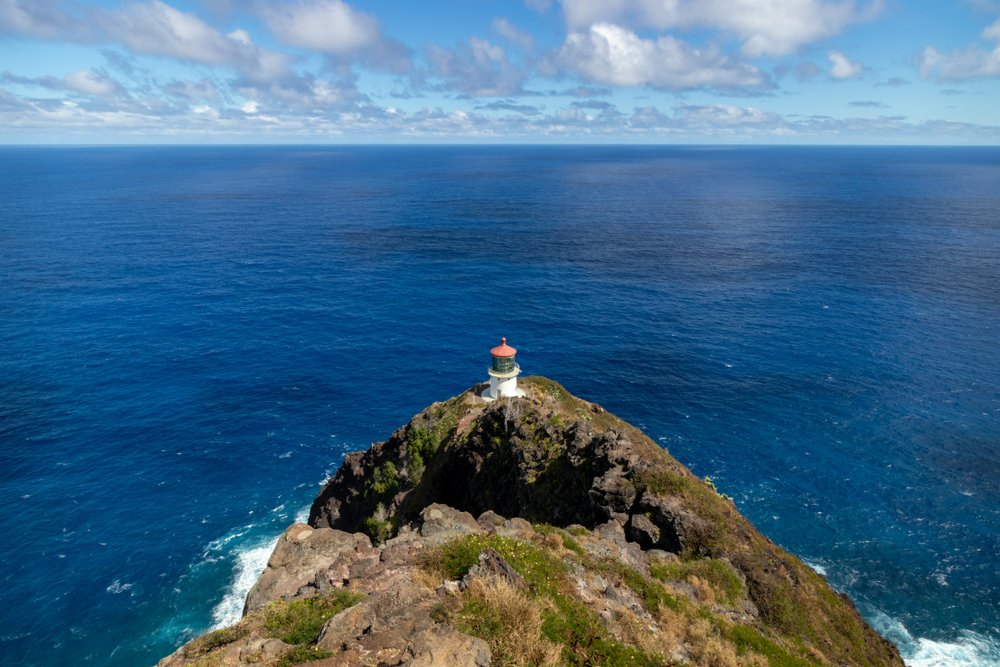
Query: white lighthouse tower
pixel 503 373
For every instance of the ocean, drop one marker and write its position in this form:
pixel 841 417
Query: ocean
pixel 191 338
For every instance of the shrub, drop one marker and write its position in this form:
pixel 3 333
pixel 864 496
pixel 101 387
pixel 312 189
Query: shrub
pixel 301 654
pixel 509 621
pixel 421 445
pixel 378 529
pixel 219 638
pixel 385 481
pixel 586 641
pixel 300 621
pixel 723 579
pixel 540 571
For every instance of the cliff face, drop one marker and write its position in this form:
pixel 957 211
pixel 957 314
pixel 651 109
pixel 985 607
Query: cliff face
pixel 541 530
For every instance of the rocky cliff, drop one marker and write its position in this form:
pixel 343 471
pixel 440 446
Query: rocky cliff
pixel 532 531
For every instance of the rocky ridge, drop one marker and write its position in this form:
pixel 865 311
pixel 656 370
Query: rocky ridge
pixel 534 531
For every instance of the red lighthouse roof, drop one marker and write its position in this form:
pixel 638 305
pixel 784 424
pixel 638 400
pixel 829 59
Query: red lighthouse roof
pixel 503 349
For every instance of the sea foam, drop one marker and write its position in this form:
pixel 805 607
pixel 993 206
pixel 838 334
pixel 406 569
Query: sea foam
pixel 968 649
pixel 249 561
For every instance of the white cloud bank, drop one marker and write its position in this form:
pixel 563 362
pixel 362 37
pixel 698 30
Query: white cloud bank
pixel 610 54
pixel 477 67
pixel 960 65
pixel 764 27
pixel 329 26
pixel 149 28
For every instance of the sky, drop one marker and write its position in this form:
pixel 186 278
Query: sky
pixel 491 71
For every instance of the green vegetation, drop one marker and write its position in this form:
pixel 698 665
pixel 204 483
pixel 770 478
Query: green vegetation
pixel 664 483
pixel 300 621
pixel 586 641
pixel 421 445
pixel 480 619
pixel 219 638
pixel 564 620
pixel 564 535
pixel 378 529
pixel 385 481
pixel 653 594
pixel 439 613
pixel 541 572
pixel 380 490
pixel 573 545
pixel 718 574
pixel 700 499
pixel 301 654
pixel 748 639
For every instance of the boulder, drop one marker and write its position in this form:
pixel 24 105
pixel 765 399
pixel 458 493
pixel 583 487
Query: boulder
pixel 300 553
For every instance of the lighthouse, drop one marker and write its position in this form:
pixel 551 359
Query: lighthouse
pixel 503 373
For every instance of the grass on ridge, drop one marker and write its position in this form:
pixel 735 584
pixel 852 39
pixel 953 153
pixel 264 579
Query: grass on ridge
pixel 544 616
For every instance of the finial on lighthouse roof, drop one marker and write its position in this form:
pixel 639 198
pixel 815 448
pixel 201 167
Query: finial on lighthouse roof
pixel 503 349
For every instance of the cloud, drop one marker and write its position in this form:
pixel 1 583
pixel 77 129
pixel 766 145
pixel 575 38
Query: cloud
pixel 869 104
pixel 156 28
pixel 960 65
pixel 597 105
pixel 477 68
pixel 992 31
pixel 43 19
pixel 584 13
pixel 150 28
pixel 85 82
pixel 894 82
pixel 612 55
pixel 765 27
pixel 512 33
pixel 724 115
pixel 329 26
pixel 301 94
pixel 539 6
pixel 254 118
pixel 841 67
pixel 581 91
pixel 334 28
pixel 526 109
pixel 195 91
pixel 91 83
pixel 159 29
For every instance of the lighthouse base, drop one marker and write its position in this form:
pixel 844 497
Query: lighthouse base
pixel 502 388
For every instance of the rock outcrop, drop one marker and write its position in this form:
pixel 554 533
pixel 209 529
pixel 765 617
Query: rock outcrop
pixel 531 531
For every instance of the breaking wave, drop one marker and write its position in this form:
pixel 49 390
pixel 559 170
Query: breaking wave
pixel 249 561
pixel 968 649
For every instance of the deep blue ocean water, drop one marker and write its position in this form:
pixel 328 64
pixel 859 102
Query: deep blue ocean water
pixel 192 338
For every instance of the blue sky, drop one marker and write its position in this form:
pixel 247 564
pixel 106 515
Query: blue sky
pixel 554 71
